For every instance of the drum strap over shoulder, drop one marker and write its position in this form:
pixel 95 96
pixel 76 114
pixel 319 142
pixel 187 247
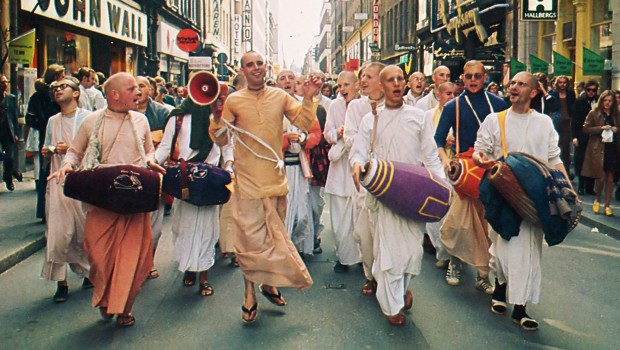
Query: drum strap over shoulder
pixel 501 119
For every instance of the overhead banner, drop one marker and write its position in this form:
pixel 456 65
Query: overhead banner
pixel 516 66
pixel 21 48
pixel 592 63
pixel 538 66
pixel 562 65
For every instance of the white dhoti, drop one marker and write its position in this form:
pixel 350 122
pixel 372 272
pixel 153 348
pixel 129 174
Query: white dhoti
pixel 195 230
pixel 398 256
pixel 362 232
pixel 433 231
pixel 518 263
pixel 316 202
pixel 298 213
pixel 341 217
pixel 157 223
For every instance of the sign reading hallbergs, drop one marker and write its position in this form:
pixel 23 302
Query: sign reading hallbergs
pixel 539 10
pixel 109 17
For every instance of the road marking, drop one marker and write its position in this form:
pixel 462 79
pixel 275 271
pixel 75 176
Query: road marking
pixel 566 328
pixel 591 250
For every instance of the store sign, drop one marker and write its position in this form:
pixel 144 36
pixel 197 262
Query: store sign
pixel 539 10
pixel 404 47
pixel 167 40
pixel 200 63
pixel 246 15
pixel 375 21
pixel 445 52
pixel 216 17
pixel 593 63
pixel 459 18
pixel 188 40
pixel 108 17
pixel 21 48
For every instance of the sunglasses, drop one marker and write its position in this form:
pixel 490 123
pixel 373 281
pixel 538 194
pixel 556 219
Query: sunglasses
pixel 591 90
pixel 476 76
pixel 60 87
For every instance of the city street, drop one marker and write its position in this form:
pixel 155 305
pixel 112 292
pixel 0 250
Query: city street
pixel 579 308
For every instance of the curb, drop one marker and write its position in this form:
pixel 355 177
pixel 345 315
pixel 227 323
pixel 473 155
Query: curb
pixel 22 254
pixel 613 232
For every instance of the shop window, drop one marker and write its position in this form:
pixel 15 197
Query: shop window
pixel 66 48
pixel 600 33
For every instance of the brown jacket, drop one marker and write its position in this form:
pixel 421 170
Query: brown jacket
pixel 595 151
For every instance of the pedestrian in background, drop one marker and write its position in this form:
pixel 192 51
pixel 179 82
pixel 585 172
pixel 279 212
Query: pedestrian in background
pixel 9 133
pixel 602 157
pixel 583 105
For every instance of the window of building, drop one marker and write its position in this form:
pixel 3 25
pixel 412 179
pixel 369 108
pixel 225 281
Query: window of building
pixel 548 40
pixel 601 24
pixel 66 48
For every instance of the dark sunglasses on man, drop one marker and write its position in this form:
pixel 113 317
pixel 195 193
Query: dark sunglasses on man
pixel 476 76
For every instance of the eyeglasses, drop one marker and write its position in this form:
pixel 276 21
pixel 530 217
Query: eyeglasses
pixel 591 90
pixel 60 87
pixel 476 76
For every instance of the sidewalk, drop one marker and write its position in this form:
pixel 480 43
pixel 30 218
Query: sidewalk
pixel 21 234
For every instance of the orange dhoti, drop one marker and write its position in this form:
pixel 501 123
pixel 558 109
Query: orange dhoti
pixel 264 248
pixel 120 253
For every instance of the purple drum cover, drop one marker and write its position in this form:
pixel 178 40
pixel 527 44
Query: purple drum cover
pixel 409 190
pixel 123 189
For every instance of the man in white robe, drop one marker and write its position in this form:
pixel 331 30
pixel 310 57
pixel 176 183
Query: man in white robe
pixel 195 229
pixel 445 93
pixel 370 89
pixel 516 263
pixel 440 75
pixel 403 135
pixel 65 216
pixel 339 186
pixel 417 84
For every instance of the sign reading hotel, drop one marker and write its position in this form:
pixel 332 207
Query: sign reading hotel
pixel 539 10
pixel 108 17
pixel 237 35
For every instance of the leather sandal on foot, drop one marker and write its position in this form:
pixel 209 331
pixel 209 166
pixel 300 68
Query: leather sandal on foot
pixel 62 293
pixel 498 307
pixel 103 311
pixel 153 274
pixel 189 278
pixel 252 313
pixel 205 289
pixel 526 323
pixel 369 288
pixel 397 320
pixel 275 299
pixel 125 320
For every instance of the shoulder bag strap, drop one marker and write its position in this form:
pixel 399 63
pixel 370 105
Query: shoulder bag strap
pixel 457 126
pixel 501 118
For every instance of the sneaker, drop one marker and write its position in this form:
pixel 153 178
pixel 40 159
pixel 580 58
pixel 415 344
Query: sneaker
pixel 596 207
pixel 62 293
pixel 608 211
pixel 442 264
pixel 484 285
pixel 339 268
pixel 453 275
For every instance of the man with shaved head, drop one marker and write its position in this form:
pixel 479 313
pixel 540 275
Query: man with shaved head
pixel 339 186
pixel 119 246
pixel 255 114
pixel 403 136
pixel 517 260
pixel 417 84
pixel 440 75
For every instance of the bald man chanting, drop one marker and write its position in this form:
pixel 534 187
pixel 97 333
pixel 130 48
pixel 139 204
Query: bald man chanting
pixel 119 246
pixel 441 75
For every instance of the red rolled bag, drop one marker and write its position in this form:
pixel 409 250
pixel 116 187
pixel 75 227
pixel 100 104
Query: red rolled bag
pixel 123 189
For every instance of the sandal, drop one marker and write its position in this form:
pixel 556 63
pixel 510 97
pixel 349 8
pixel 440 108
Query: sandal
pixel 369 288
pixel 234 261
pixel 397 320
pixel 252 313
pixel 275 299
pixel 526 323
pixel 498 307
pixel 125 320
pixel 189 278
pixel 205 289
pixel 153 274
pixel 408 300
pixel 103 311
